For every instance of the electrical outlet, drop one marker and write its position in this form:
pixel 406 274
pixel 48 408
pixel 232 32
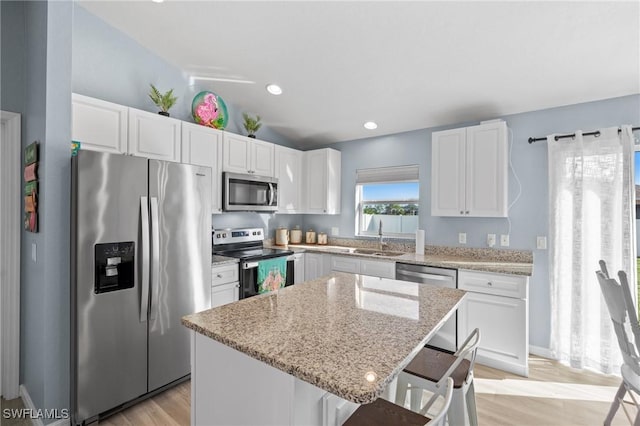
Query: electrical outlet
pixel 491 240
pixel 541 243
pixel 335 231
pixel 462 238
pixel 504 240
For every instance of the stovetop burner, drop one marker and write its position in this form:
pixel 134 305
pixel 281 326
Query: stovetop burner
pixel 244 244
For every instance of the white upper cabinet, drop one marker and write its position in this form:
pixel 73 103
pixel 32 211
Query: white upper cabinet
pixel 99 125
pixel 469 172
pixel 322 177
pixel 288 171
pixel 202 146
pixel 154 135
pixel 242 154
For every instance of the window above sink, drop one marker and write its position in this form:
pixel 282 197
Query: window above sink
pixel 390 195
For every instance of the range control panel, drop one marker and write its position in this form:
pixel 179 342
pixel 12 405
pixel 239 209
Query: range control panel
pixel 242 235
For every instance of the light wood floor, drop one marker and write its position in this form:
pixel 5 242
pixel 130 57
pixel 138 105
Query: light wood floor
pixel 552 395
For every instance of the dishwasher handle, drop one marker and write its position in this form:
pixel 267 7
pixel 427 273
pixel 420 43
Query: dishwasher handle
pixel 425 276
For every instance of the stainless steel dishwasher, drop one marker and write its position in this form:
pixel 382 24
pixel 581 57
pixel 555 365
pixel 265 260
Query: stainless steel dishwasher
pixel 441 277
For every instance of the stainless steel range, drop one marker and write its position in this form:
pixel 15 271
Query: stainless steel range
pixel 247 244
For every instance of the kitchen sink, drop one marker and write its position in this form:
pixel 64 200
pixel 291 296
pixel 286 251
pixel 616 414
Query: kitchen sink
pixel 374 252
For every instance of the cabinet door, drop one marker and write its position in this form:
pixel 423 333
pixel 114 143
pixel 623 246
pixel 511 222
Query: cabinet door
pixel 312 266
pixel 448 173
pixel 487 169
pixel 298 268
pixel 288 170
pixel 154 136
pixel 202 146
pixel 262 154
pixel 99 125
pixel 224 293
pixel 345 264
pixel 378 268
pixel 504 331
pixel 316 174
pixel 334 170
pixel 236 152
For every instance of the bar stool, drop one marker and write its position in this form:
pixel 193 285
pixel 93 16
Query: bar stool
pixel 384 413
pixel 430 366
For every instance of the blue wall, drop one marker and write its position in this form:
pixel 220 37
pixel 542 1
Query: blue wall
pixel 36 82
pixel 529 216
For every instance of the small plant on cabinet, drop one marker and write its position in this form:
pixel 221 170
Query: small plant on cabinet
pixel 251 124
pixel 164 102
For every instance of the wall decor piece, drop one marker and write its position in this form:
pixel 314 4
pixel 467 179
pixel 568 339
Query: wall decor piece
pixel 209 110
pixel 75 147
pixel 31 187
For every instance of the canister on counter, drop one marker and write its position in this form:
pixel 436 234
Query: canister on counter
pixel 311 237
pixel 322 238
pixel 295 235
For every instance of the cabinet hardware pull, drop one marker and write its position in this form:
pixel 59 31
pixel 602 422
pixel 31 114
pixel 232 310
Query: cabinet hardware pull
pixel 467 212
pixel 461 212
pixel 219 275
pixel 489 283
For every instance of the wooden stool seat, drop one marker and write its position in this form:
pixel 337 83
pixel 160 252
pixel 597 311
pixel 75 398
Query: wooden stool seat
pixel 384 413
pixel 431 364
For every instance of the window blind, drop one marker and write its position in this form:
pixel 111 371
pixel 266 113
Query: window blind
pixel 387 174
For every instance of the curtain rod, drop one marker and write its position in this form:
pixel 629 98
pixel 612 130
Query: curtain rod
pixel 596 134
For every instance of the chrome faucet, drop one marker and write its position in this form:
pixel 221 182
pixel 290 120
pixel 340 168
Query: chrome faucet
pixel 382 244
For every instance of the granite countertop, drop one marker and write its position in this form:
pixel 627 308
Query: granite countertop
pixel 222 260
pixel 348 334
pixel 514 262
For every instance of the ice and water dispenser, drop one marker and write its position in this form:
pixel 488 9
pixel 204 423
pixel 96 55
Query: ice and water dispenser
pixel 114 267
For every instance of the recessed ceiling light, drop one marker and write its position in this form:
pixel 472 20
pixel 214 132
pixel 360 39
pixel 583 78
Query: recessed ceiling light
pixel 274 89
pixel 370 125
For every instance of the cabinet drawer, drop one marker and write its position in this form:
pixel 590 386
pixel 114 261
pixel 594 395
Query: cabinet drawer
pixel 225 274
pixel 345 264
pixel 496 284
pixel 378 268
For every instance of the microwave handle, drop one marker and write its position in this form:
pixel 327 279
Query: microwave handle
pixel 271 193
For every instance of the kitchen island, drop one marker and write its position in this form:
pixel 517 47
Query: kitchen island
pixel 310 353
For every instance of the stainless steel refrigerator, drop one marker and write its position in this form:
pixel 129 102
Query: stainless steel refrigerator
pixel 141 259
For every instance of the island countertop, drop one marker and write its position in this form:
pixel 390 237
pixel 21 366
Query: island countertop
pixel 347 334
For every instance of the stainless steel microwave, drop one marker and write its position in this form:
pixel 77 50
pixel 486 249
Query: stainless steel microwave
pixel 242 192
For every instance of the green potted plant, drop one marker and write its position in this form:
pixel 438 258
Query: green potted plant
pixel 251 124
pixel 164 102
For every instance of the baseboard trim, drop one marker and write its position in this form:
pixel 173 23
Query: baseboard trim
pixel 540 351
pixel 28 403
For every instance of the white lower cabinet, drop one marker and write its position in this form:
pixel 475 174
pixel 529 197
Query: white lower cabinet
pixel 316 265
pixel 225 286
pixel 298 268
pixel 496 304
pixel 355 265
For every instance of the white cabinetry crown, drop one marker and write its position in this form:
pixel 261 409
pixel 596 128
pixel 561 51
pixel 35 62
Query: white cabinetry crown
pixel 469 172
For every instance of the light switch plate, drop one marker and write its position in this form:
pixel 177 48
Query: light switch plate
pixel 462 238
pixel 335 231
pixel 34 251
pixel 541 242
pixel 504 240
pixel 491 240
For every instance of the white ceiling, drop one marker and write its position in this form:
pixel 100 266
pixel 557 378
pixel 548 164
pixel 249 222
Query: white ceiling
pixel 405 65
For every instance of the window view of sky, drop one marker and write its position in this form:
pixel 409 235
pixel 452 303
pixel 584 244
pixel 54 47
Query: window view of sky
pixel 637 167
pixel 391 191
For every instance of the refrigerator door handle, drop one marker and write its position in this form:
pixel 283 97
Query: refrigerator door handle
pixel 144 297
pixel 155 257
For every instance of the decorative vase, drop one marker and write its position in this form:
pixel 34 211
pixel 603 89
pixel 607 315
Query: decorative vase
pixel 166 114
pixel 209 110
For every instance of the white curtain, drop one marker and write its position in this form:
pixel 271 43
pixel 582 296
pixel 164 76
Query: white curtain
pixel 592 193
